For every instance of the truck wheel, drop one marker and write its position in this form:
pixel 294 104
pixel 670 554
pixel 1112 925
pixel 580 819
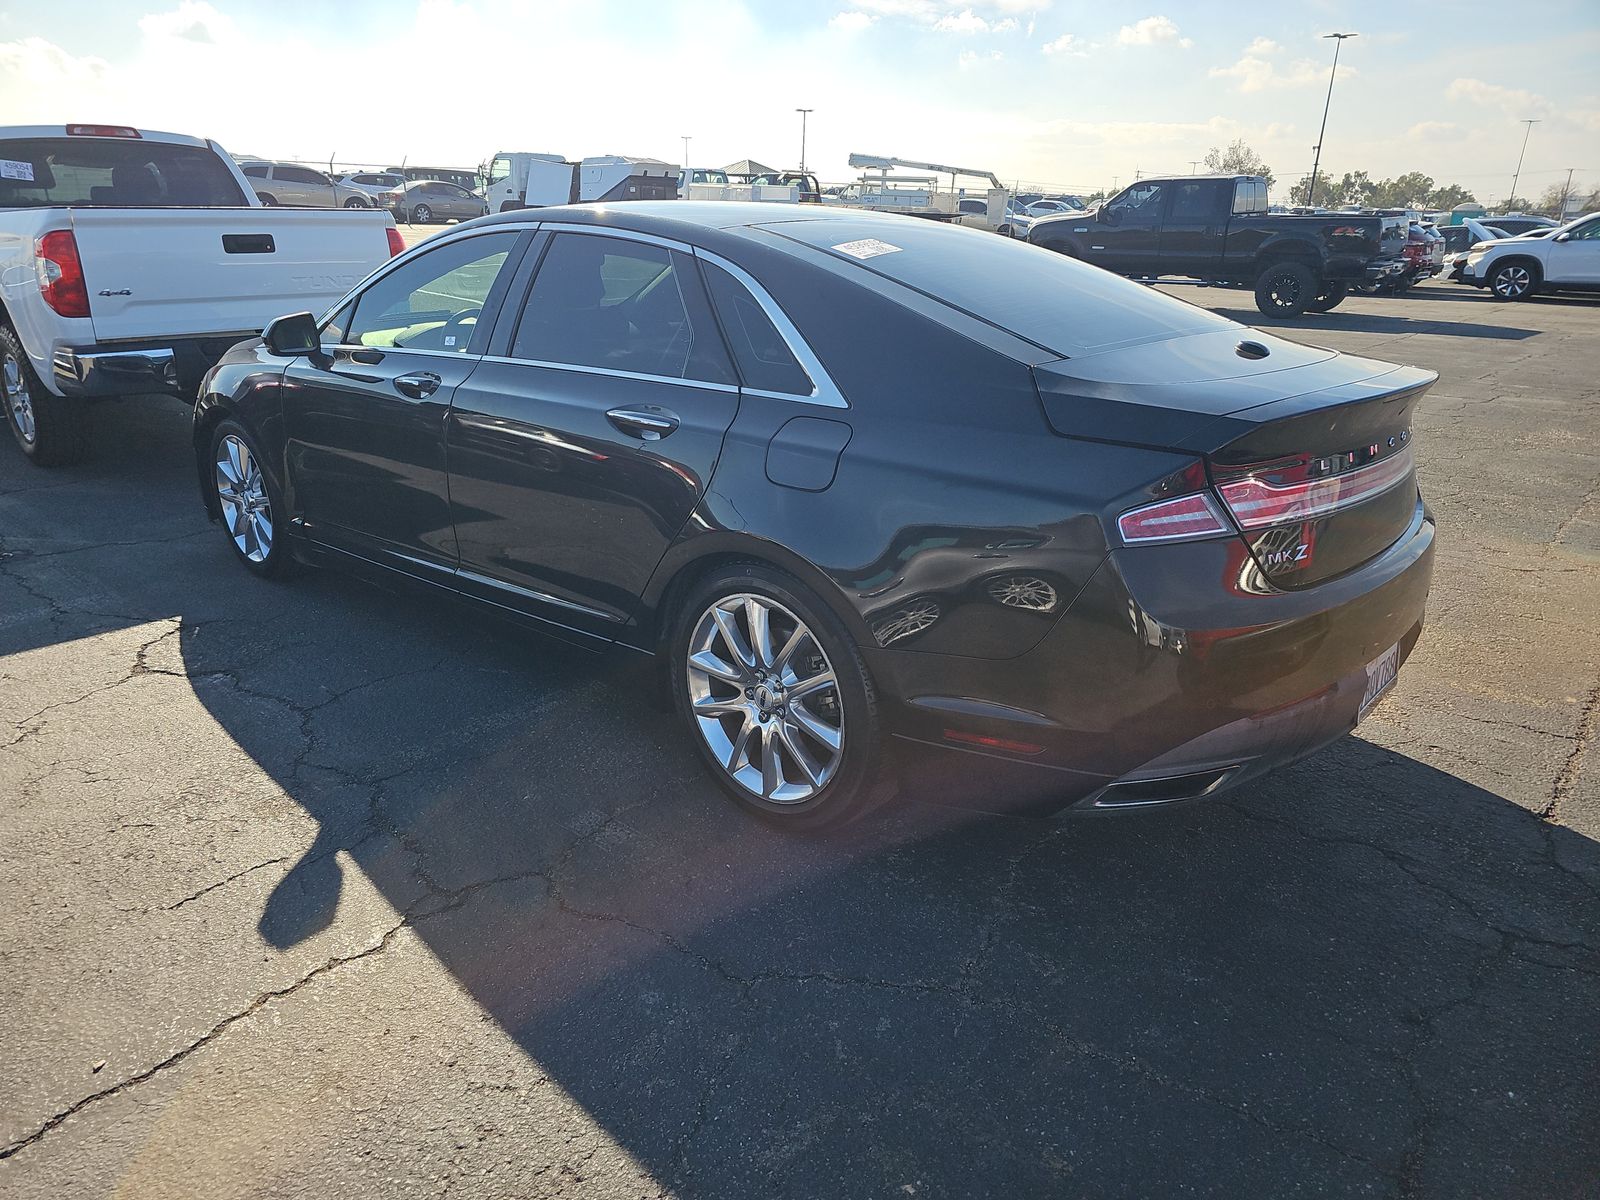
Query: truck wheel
pixel 1329 298
pixel 50 429
pixel 1285 290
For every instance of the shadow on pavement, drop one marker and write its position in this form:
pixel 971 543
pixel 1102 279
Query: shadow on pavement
pixel 1361 974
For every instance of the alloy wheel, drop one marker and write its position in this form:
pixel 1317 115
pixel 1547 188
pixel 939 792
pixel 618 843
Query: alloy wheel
pixel 242 491
pixel 19 401
pixel 765 698
pixel 1512 281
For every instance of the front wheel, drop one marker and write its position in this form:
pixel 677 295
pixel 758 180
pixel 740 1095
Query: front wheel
pixel 355 202
pixel 1513 281
pixel 248 501
pixel 422 215
pixel 1284 290
pixel 1329 298
pixel 777 700
pixel 51 430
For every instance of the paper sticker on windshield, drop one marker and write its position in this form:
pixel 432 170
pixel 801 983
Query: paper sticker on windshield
pixel 10 168
pixel 866 248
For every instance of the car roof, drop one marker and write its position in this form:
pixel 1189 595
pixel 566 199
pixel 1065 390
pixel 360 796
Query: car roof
pixel 682 218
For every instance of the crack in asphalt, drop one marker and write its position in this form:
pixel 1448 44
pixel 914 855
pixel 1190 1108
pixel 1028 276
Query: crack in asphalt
pixel 1567 777
pixel 209 888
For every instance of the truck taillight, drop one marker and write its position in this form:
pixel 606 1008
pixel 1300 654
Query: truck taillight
pixel 397 244
pixel 60 272
pixel 1193 516
pixel 121 131
pixel 1257 503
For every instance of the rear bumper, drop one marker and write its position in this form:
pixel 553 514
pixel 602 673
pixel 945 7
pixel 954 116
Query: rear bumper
pixel 1168 665
pixel 174 365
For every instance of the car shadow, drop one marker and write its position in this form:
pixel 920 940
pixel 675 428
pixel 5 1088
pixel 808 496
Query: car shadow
pixel 1348 321
pixel 1361 974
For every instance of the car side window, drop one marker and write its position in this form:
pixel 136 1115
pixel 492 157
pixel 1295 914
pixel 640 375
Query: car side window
pixel 764 359
pixel 1193 201
pixel 255 170
pixel 1585 233
pixel 1141 204
pixel 621 305
pixel 433 301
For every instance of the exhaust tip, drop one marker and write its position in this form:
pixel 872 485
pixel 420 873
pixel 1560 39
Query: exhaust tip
pixel 1168 789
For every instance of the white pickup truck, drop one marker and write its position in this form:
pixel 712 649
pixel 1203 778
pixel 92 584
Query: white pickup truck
pixel 131 260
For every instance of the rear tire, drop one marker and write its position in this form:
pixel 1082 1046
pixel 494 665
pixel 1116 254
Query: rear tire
pixel 51 430
pixel 740 701
pixel 1285 289
pixel 422 215
pixel 1515 280
pixel 353 202
pixel 1331 296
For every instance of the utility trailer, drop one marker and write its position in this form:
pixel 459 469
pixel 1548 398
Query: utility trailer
pixel 522 179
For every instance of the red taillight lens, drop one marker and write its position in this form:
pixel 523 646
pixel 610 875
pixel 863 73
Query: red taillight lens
pixel 1172 520
pixel 1256 503
pixel 397 244
pixel 60 271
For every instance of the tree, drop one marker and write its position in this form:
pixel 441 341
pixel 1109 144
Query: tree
pixel 1448 196
pixel 1410 190
pixel 1516 204
pixel 1238 159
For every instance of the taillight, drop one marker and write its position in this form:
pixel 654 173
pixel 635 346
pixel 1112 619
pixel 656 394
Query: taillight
pixel 1192 516
pixel 121 131
pixel 1256 502
pixel 60 271
pixel 397 244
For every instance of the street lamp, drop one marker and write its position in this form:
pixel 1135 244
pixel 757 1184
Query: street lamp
pixel 685 152
pixel 804 112
pixel 1530 123
pixel 1311 192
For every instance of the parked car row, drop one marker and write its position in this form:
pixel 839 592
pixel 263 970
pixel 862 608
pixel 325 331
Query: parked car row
pixel 420 201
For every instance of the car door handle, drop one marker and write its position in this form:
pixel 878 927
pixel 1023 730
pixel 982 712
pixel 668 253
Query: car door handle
pixel 367 358
pixel 418 385
pixel 650 424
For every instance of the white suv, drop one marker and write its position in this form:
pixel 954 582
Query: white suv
pixel 1519 267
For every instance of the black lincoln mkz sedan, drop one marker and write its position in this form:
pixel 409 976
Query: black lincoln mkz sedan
pixel 856 477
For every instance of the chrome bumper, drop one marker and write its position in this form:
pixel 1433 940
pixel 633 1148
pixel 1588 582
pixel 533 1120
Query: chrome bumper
pixel 115 372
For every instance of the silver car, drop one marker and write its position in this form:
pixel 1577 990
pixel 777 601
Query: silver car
pixel 425 201
pixel 374 183
pixel 301 187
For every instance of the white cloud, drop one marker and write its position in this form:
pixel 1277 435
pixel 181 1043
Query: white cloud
pixel 967 60
pixel 1493 95
pixel 1433 130
pixel 1150 32
pixel 968 22
pixel 851 22
pixel 191 21
pixel 1258 69
pixel 40 72
pixel 1067 45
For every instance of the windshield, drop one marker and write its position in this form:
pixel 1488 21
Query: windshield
pixel 1052 301
pixel 113 173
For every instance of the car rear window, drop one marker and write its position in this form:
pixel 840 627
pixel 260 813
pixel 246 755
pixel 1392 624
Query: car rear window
pixel 1064 306
pixel 113 173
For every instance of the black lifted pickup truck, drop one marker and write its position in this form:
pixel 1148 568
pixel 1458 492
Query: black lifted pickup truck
pixel 1216 228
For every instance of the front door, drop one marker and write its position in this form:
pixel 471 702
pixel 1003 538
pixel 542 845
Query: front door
pixel 1576 260
pixel 1126 241
pixel 580 447
pixel 365 418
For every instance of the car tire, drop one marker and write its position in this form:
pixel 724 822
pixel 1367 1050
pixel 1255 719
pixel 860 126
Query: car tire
pixel 1286 289
pixel 821 761
pixel 244 493
pixel 51 430
pixel 422 215
pixel 1514 280
pixel 356 202
pixel 266 200
pixel 1329 298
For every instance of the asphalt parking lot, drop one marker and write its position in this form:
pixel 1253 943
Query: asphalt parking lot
pixel 317 888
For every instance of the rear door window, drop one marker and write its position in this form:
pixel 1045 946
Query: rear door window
pixel 621 305
pixel 113 172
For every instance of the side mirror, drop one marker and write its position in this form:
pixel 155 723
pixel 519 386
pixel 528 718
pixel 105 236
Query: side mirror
pixel 294 335
pixel 1563 237
pixel 1109 216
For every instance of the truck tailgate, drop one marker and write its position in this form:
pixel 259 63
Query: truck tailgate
pixel 165 273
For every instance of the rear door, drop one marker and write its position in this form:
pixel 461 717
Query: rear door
pixel 1196 226
pixel 365 419
pixel 581 446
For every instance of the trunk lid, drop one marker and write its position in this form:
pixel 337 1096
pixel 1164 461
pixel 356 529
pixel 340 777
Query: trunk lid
pixel 160 273
pixel 1310 451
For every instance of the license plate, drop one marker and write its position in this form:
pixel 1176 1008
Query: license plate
pixel 1381 673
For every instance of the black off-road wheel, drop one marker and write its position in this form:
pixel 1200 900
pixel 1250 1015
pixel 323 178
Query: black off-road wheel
pixel 1285 289
pixel 51 430
pixel 775 696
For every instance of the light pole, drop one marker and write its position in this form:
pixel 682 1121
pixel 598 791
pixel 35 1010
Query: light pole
pixel 1530 123
pixel 685 152
pixel 1194 165
pixel 1311 192
pixel 804 112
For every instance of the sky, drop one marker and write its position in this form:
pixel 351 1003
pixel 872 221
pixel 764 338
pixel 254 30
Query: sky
pixel 1061 96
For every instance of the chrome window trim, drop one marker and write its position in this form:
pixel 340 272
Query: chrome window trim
pixel 627 235
pixel 436 242
pixel 824 392
pixel 608 372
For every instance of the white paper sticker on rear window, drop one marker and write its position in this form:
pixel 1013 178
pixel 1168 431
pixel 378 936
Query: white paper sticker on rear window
pixel 10 168
pixel 866 248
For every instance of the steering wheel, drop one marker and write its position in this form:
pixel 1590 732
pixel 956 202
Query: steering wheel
pixel 456 322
